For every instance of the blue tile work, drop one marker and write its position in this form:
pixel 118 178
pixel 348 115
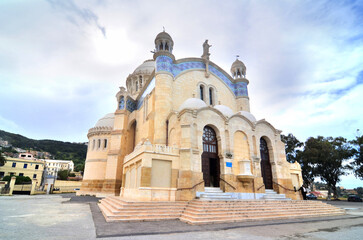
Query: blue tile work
pixel 130 105
pixel 165 63
pixel 178 68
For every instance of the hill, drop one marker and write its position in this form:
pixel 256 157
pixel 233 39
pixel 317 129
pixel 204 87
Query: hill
pixel 60 150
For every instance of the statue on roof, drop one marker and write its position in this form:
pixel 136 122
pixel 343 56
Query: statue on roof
pixel 206 47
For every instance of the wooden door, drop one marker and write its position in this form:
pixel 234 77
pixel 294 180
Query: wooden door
pixel 210 159
pixel 265 164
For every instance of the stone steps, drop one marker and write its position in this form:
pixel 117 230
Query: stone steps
pixel 251 218
pixel 216 194
pixel 123 205
pixel 201 212
pixel 272 195
pixel 204 211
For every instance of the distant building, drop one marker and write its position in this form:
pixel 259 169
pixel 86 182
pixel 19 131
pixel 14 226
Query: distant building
pixel 52 167
pixel 19 150
pixel 4 143
pixel 26 155
pixel 32 168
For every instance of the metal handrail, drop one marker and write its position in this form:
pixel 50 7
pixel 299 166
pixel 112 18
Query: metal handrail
pixel 190 187
pixel 260 187
pixel 227 183
pixel 283 187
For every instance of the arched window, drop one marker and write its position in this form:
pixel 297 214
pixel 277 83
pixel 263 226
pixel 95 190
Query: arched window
pixel 137 85
pixel 105 144
pixel 209 140
pixel 93 144
pixel 121 103
pixel 211 96
pixel 166 47
pixel 140 80
pixel 161 46
pixel 99 144
pixel 201 88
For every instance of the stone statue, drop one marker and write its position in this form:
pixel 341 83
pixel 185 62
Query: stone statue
pixel 206 47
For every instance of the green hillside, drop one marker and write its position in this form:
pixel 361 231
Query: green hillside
pixel 60 150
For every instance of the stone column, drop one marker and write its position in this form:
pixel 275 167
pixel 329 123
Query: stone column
pixel 116 154
pixel 243 104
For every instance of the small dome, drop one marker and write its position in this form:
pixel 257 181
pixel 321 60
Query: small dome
pixel 163 36
pixel 238 69
pixel 106 121
pixel 163 42
pixel 146 68
pixel 248 115
pixel 226 111
pixel 192 103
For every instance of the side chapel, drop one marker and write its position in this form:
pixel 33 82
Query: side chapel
pixel 182 125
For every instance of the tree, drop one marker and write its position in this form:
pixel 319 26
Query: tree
pixel 292 147
pixel 79 167
pixel 359 190
pixel 357 164
pixel 19 179
pixel 63 174
pixel 2 159
pixel 326 156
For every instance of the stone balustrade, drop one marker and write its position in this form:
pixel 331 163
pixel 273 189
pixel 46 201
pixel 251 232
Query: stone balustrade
pixel 147 147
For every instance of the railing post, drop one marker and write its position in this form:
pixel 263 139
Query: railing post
pixel 34 183
pixel 12 185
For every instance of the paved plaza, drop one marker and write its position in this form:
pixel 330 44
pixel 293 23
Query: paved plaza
pixel 66 216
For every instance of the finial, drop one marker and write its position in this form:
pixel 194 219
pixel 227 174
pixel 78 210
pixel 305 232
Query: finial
pixel 237 56
pixel 163 29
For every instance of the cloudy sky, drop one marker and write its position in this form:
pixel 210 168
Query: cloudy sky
pixel 62 61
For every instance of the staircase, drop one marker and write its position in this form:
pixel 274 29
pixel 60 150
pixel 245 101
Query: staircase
pixel 120 210
pixel 215 194
pixel 272 195
pixel 204 211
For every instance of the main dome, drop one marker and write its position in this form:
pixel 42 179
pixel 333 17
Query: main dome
pixel 146 67
pixel 106 121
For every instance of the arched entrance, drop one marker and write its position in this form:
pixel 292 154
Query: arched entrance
pixel 131 138
pixel 210 159
pixel 265 164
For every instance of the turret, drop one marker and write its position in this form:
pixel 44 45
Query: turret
pixel 163 84
pixel 238 71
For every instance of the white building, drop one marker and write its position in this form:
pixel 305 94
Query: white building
pixel 52 167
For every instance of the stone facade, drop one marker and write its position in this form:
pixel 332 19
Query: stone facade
pixel 182 125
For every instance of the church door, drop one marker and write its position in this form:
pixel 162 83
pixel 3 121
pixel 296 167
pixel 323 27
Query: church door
pixel 265 164
pixel 210 159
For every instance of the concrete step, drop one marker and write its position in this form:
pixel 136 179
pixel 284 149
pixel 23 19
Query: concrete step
pixel 213 189
pixel 243 219
pixel 213 211
pixel 215 194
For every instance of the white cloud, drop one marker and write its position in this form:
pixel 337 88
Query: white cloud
pixel 302 58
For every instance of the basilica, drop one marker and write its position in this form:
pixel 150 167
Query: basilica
pixel 182 126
